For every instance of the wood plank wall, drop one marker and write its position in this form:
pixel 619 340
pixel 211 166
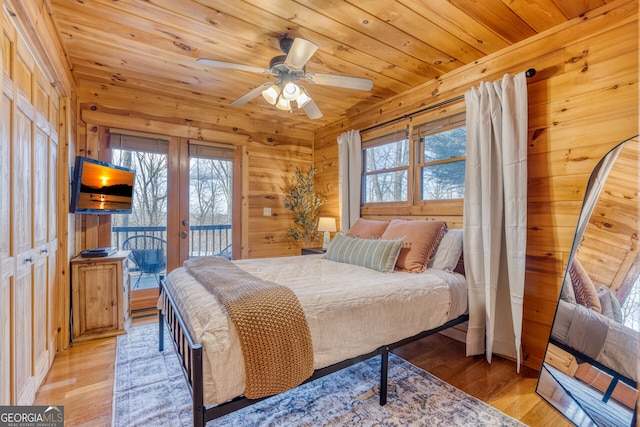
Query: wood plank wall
pixel 270 152
pixel 582 102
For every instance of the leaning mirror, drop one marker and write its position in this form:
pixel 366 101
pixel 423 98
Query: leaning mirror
pixel 590 369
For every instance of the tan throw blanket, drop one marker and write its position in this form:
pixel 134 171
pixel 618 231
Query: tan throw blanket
pixel 272 328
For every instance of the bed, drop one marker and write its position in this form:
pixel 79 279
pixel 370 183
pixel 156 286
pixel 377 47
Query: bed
pixel 354 312
pixel 589 325
pixel 597 339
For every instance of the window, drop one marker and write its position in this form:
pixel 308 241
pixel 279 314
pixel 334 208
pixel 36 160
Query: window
pixel 441 149
pixel 409 164
pixel 386 168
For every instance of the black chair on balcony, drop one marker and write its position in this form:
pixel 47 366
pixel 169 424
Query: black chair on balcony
pixel 149 253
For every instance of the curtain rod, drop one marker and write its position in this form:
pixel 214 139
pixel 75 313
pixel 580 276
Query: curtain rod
pixel 529 73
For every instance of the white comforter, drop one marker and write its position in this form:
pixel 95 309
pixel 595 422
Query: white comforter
pixel 350 311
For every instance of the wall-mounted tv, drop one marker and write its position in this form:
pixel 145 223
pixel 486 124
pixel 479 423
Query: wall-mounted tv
pixel 101 188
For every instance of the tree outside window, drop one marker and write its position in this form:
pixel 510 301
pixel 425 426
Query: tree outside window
pixel 436 169
pixel 386 169
pixel 443 164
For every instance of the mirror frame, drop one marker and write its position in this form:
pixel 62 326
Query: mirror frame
pixel 559 393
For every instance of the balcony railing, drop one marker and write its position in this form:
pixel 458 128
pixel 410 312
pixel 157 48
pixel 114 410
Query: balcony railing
pixel 203 239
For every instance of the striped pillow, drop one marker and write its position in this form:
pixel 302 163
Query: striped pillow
pixel 379 255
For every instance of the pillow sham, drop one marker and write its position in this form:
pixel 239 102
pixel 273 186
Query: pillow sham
pixel 567 290
pixel 583 288
pixel 610 304
pixel 448 252
pixel 376 254
pixel 368 228
pixel 421 238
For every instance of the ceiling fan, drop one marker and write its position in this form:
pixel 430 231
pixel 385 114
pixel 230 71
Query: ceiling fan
pixel 287 69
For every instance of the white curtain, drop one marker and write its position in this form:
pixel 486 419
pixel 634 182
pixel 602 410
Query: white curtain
pixel 495 215
pixel 349 177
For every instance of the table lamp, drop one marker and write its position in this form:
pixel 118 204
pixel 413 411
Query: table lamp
pixel 326 225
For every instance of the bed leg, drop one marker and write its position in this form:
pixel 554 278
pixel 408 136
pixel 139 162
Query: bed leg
pixel 384 373
pixel 160 324
pixel 197 390
pixel 160 331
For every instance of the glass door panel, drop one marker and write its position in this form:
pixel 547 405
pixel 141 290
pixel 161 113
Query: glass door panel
pixel 210 201
pixel 143 232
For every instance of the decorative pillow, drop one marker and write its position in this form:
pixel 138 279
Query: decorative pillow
pixel 583 287
pixel 421 238
pixel 448 252
pixel 610 304
pixel 367 228
pixel 567 293
pixel 376 254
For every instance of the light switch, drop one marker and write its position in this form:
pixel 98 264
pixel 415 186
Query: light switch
pixel 267 212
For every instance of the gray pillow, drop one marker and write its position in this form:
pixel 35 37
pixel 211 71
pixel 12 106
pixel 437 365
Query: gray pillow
pixel 376 254
pixel 610 305
pixel 449 250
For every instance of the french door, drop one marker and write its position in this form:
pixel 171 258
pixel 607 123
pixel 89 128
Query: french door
pixel 183 207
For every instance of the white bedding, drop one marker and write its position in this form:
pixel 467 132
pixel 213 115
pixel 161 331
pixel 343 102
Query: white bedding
pixel 350 311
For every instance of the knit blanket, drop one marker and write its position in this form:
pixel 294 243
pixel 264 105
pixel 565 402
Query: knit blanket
pixel 271 326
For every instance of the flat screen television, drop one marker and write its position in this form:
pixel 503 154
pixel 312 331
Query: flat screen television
pixel 101 188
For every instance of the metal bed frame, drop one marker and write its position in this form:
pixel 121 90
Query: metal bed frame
pixel 190 355
pixel 615 376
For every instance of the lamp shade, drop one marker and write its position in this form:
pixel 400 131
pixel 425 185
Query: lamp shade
pixel 326 224
pixel 283 104
pixel 291 91
pixel 271 94
pixel 303 99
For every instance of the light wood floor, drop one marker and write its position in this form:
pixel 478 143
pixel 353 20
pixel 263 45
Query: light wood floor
pixel 81 379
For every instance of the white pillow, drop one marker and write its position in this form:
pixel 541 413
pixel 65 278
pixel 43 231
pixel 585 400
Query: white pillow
pixel 448 252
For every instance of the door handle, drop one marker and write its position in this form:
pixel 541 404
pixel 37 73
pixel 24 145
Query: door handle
pixel 185 222
pixel 184 234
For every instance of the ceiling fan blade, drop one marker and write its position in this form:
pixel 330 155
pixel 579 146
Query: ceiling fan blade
pixel 250 95
pixel 232 66
pixel 312 110
pixel 301 51
pixel 339 81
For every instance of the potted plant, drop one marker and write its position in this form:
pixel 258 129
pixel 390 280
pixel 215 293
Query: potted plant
pixel 302 200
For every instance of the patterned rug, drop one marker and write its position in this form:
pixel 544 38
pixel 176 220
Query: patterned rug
pixel 150 390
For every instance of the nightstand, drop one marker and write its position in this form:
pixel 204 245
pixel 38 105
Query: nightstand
pixel 313 251
pixel 100 296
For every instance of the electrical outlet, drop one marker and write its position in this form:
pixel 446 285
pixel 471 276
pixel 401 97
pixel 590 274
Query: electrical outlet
pixel 266 212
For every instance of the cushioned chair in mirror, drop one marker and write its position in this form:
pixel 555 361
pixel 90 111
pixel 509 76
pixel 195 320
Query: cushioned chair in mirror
pixel 149 253
pixel 590 369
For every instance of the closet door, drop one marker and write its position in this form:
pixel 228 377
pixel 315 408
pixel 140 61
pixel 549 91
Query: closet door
pixel 24 383
pixel 28 222
pixel 6 261
pixel 41 258
pixel 52 243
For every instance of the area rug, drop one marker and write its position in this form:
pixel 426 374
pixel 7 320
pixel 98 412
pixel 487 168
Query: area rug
pixel 150 390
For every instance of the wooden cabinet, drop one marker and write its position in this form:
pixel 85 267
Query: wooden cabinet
pixel 100 296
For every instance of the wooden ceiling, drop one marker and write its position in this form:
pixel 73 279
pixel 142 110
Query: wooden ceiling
pixel 125 47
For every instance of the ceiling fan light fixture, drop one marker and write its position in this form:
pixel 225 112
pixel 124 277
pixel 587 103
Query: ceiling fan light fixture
pixel 303 99
pixel 283 104
pixel 271 93
pixel 291 91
